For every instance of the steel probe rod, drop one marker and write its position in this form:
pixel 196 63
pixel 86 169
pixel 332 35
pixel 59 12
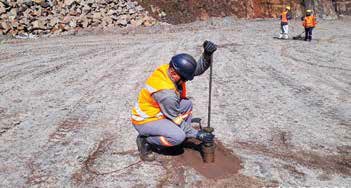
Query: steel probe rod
pixel 209 97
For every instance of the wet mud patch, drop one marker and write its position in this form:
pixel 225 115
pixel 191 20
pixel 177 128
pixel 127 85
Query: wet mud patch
pixel 226 164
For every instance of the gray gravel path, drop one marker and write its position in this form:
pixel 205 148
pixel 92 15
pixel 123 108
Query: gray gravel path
pixel 284 107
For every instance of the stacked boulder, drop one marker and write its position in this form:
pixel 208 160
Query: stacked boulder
pixel 40 17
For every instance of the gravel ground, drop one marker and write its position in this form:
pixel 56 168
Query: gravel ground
pixel 283 107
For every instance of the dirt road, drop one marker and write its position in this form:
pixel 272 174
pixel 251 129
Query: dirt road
pixel 283 107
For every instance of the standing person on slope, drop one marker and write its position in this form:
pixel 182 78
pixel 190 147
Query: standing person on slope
pixel 284 27
pixel 309 23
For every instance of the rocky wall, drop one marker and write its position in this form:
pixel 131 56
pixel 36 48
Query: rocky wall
pixel 184 11
pixel 23 17
pixel 342 7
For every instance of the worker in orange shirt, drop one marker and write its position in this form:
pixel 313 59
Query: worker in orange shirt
pixel 284 17
pixel 309 22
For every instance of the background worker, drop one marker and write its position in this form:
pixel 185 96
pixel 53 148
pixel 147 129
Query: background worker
pixel 309 22
pixel 162 113
pixel 284 17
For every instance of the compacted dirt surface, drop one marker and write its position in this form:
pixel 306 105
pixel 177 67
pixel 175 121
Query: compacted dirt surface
pixel 281 109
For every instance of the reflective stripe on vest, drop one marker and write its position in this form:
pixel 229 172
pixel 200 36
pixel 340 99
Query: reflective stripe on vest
pixel 310 21
pixel 284 17
pixel 146 108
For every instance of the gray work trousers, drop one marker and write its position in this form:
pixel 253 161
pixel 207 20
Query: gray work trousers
pixel 159 131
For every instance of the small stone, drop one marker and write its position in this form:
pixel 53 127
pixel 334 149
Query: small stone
pixel 139 8
pixel 111 12
pixel 66 19
pixel 136 23
pixel 36 12
pixel 53 21
pixel 107 20
pixel 2 9
pixel 162 14
pixel 5 26
pixel 14 23
pixel 67 27
pixel 13 32
pixel 20 27
pixel 123 20
pixel 86 9
pixel 148 21
pixel 85 23
pixel 130 5
pixel 38 24
pixel 68 2
pixel 38 1
pixel 73 23
pixel 132 11
pixel 13 13
pixel 97 16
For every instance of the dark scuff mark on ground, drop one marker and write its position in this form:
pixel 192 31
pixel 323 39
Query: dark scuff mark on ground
pixel 339 164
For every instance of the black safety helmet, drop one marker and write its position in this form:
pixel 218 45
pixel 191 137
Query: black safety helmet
pixel 184 65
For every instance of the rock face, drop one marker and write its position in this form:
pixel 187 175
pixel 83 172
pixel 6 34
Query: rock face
pixel 55 16
pixel 342 6
pixel 183 11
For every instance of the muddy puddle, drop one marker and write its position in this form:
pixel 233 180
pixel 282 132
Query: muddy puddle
pixel 189 155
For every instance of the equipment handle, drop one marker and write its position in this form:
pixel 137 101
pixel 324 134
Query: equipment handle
pixel 209 97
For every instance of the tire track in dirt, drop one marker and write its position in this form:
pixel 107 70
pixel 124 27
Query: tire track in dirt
pixel 339 164
pixel 144 55
pixel 295 59
pixel 88 53
pixel 92 90
pixel 46 50
pixel 87 173
pixel 72 124
pixel 72 56
pixel 335 164
pixel 90 101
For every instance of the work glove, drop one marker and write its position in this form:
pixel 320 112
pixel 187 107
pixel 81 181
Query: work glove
pixel 209 47
pixel 188 129
pixel 205 136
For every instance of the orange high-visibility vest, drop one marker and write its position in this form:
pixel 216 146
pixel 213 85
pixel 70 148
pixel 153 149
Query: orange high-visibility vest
pixel 284 16
pixel 309 21
pixel 146 109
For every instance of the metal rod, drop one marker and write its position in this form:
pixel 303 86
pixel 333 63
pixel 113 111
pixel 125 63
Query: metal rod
pixel 209 97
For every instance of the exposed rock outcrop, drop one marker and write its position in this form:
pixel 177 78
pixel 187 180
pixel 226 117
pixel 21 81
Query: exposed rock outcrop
pixel 183 11
pixel 55 16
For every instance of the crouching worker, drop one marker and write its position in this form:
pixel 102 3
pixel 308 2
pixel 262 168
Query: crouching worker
pixel 162 113
pixel 309 22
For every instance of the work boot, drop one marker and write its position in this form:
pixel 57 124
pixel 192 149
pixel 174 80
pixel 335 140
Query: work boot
pixel 144 149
